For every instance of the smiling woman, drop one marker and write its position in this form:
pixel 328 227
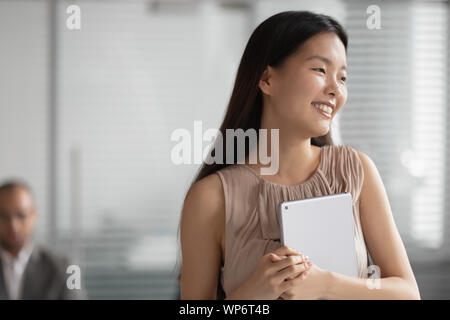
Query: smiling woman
pixel 291 78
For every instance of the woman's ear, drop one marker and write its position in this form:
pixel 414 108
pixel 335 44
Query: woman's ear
pixel 266 81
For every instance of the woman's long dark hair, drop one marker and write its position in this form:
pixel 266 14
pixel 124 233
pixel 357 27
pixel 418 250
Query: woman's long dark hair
pixel 270 44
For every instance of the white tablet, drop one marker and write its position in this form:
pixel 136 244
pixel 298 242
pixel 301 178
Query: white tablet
pixel 323 229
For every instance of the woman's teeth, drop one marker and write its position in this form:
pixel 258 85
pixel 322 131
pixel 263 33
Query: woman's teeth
pixel 323 107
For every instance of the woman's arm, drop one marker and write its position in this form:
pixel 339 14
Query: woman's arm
pixel 385 246
pixel 202 223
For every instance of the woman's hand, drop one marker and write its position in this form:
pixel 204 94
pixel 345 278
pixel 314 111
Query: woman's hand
pixel 268 281
pixel 311 285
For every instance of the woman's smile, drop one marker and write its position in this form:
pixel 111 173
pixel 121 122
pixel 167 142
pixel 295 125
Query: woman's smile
pixel 322 112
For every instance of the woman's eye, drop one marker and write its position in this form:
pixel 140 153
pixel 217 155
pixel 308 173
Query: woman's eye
pixel 323 70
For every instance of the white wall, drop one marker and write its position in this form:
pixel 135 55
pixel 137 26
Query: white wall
pixel 24 97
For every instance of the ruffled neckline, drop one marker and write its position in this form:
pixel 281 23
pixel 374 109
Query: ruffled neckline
pixel 307 181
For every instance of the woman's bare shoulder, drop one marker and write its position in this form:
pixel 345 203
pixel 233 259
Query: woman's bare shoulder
pixel 206 192
pixel 204 203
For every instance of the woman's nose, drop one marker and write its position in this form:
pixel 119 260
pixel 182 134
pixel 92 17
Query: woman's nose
pixel 333 88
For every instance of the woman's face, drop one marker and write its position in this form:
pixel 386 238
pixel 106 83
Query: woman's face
pixel 314 73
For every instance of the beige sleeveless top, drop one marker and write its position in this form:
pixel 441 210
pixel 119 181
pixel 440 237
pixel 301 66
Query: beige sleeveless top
pixel 252 227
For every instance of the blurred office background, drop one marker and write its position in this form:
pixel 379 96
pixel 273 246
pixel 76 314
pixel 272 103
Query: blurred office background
pixel 86 118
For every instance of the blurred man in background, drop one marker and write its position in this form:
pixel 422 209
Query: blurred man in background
pixel 26 270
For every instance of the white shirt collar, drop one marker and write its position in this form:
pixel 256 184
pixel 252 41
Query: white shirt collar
pixel 21 259
pixel 14 269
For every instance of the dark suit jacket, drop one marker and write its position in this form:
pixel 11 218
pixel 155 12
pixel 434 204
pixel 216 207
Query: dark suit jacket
pixel 44 278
